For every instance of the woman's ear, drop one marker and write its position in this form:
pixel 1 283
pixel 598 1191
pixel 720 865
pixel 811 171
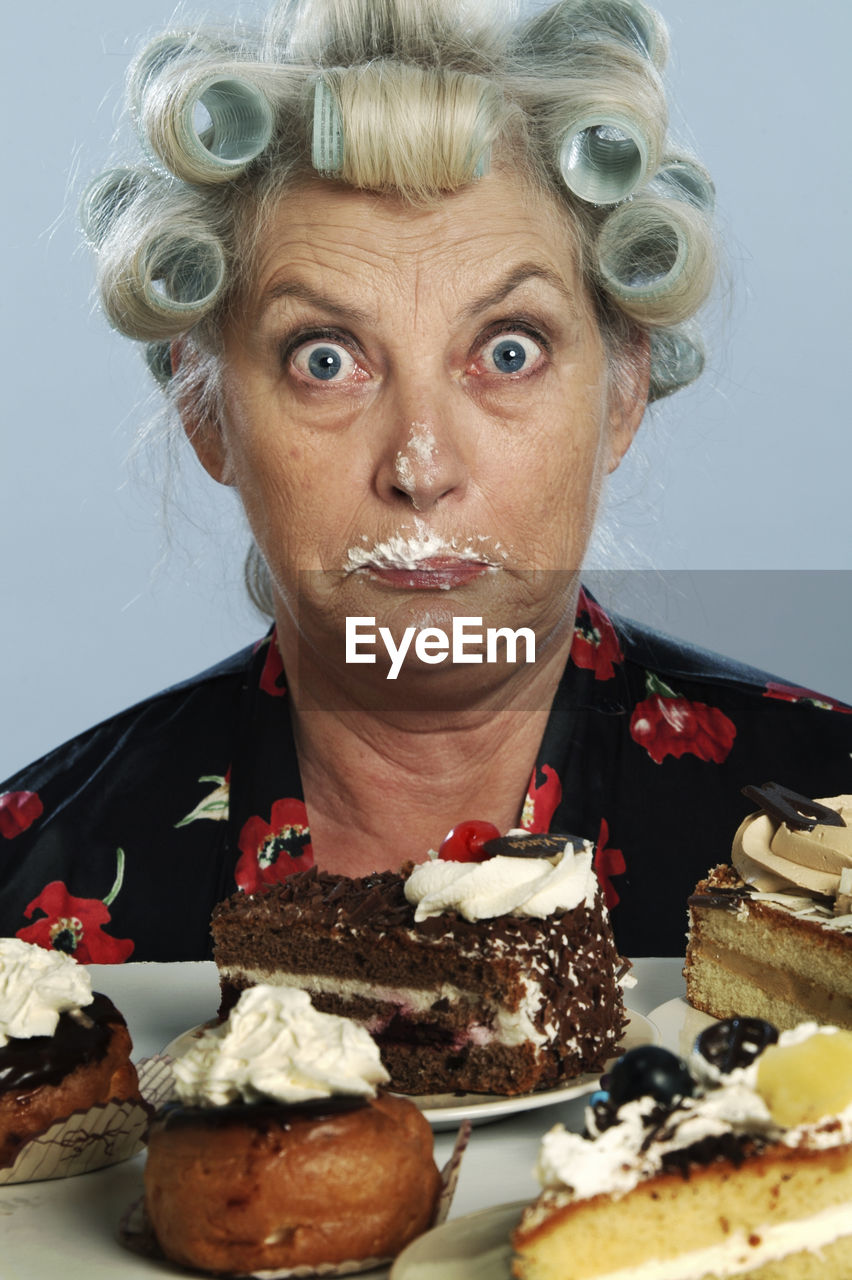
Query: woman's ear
pixel 629 381
pixel 200 422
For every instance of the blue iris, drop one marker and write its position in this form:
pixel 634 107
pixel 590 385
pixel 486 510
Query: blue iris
pixel 509 356
pixel 324 363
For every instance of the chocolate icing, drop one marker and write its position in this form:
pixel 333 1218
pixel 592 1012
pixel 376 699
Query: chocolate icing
pixel 262 1116
pixel 82 1036
pixel 531 846
pixel 719 898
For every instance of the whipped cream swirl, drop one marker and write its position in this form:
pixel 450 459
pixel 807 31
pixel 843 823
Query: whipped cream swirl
pixel 776 858
pixel 36 986
pixel 276 1045
pixel 503 886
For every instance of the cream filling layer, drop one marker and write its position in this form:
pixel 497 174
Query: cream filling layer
pixel 508 1028
pixel 737 1255
pixel 780 984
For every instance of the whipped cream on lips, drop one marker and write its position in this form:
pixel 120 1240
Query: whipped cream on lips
pixel 276 1045
pixel 36 986
pixel 425 558
pixel 775 855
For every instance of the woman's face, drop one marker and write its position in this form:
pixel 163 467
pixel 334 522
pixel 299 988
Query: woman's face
pixel 417 413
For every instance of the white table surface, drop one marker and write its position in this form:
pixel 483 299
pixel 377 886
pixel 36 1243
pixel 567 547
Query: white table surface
pixel 67 1228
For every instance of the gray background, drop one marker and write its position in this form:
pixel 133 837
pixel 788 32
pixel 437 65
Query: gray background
pixel 735 495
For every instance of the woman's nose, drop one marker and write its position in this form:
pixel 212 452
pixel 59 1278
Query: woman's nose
pixel 422 462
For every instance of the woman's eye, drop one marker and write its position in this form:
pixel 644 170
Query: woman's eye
pixel 324 362
pixel 510 353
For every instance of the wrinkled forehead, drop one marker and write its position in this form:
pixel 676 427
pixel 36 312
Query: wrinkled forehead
pixel 336 239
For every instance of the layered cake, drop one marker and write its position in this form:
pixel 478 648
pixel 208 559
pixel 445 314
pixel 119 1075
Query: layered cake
pixel 738 1163
pixel 280 1152
pixel 499 976
pixel 63 1048
pixel 771 935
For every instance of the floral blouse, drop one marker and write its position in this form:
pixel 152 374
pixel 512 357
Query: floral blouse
pixel 117 845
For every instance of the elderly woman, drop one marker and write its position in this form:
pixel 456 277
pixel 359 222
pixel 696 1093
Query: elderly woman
pixel 408 276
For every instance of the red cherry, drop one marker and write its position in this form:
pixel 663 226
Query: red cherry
pixel 464 843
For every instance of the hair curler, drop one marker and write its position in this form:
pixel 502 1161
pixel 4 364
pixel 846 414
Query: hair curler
pixel 180 272
pixel 681 178
pixel 327 136
pixel 158 357
pixel 483 163
pixel 654 255
pixel 105 199
pixel 552 36
pixel 677 358
pixel 238 126
pixel 629 21
pixel 157 57
pixel 604 158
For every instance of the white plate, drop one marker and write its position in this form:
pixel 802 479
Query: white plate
pixel 447 1110
pixel 679 1024
pixel 473 1247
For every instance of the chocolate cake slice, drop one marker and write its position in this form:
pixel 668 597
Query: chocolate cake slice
pixel 501 1005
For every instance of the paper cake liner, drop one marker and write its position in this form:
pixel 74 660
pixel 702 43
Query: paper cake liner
pixel 136 1233
pixel 103 1135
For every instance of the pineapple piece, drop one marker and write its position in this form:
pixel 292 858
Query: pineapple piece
pixel 801 1083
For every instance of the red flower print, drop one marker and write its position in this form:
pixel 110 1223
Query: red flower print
pixel 608 863
pixel 272 851
pixel 793 693
pixel 595 646
pixel 666 724
pixel 18 810
pixel 74 925
pixel 541 800
pixel 272 675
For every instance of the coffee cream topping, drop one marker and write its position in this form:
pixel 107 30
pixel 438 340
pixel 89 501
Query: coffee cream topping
pixel 276 1045
pixel 620 1157
pixel 36 986
pixel 774 857
pixel 503 886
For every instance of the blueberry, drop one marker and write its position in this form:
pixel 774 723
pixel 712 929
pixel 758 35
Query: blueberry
pixel 735 1042
pixel 649 1072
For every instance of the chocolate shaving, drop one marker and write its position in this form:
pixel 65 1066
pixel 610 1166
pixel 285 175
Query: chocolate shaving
pixel 798 812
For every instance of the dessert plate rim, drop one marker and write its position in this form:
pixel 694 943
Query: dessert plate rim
pixel 447 1110
pixel 679 1023
pixel 480 1237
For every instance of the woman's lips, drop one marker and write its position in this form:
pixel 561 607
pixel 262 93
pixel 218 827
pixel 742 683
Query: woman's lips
pixel 437 573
